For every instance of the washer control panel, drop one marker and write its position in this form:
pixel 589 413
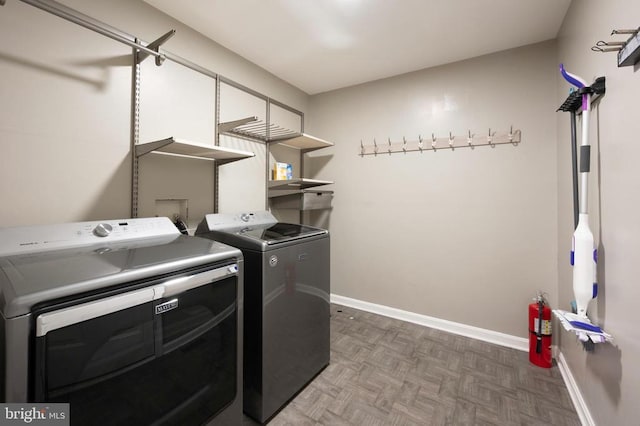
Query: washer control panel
pixel 225 221
pixel 32 239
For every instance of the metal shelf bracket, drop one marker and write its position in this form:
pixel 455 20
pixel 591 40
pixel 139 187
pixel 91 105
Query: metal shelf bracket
pixel 155 46
pixel 230 125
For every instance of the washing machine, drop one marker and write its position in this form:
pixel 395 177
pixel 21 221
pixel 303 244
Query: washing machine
pixel 128 321
pixel 286 316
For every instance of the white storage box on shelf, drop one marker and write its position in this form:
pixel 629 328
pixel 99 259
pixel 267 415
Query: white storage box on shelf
pixel 305 199
pixel 295 194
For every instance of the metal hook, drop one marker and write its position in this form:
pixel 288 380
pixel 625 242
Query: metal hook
pixel 451 138
pixel 434 141
pixel 470 140
pixel 490 138
pixel 614 32
pixel 389 148
pixel 601 43
pixel 361 148
pixel 375 147
pixel 511 134
pixel 404 145
pixel 606 49
pixel 420 143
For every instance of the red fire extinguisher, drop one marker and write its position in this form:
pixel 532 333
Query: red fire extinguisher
pixel 540 333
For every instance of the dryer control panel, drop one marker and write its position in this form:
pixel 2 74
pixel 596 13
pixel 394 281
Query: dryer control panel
pixel 227 221
pixel 32 239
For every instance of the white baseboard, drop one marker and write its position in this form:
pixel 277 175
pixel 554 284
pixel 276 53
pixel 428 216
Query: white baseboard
pixel 574 392
pixel 519 343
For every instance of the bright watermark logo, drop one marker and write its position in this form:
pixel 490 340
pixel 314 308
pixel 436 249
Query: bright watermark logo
pixel 34 414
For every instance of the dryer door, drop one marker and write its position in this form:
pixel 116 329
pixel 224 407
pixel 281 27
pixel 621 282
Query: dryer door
pixel 165 353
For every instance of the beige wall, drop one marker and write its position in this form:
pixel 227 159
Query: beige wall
pixel 608 378
pixel 66 119
pixel 468 236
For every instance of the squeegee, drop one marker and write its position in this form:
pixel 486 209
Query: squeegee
pixel 584 256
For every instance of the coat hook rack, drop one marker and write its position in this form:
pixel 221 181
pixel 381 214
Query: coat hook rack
pixel 471 140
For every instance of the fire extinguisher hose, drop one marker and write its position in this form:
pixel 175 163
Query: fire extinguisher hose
pixel 539 328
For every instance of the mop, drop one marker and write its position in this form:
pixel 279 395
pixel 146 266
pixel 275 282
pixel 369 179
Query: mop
pixel 584 256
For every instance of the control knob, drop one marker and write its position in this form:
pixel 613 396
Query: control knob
pixel 102 230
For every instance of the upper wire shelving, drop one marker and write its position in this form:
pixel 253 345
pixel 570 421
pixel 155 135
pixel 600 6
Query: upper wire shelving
pixel 253 128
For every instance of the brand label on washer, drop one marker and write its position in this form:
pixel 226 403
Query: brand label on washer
pixel 273 260
pixel 166 306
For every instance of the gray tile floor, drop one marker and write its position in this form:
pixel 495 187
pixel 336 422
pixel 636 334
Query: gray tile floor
pixel 388 372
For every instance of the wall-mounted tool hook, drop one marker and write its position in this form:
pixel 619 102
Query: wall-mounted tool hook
pixel 404 145
pixel 434 141
pixel 361 148
pixel 605 46
pixel 490 139
pixel 375 147
pixel 451 138
pixel 605 49
pixel 614 32
pixel 511 134
pixel 389 148
pixel 602 43
pixel 420 144
pixel 470 140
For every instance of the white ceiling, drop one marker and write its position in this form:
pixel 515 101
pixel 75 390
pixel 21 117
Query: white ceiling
pixel 321 45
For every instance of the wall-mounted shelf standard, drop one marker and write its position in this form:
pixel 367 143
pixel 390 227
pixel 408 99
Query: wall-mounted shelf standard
pixel 183 148
pixel 249 127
